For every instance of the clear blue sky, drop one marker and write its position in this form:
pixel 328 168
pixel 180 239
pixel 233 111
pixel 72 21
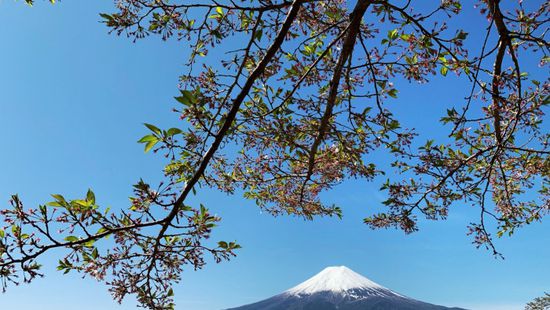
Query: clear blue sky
pixel 72 100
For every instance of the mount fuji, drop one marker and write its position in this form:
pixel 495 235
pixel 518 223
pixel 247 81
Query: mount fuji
pixel 343 289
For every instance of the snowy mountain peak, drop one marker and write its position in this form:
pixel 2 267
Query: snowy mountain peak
pixel 335 279
pixel 340 288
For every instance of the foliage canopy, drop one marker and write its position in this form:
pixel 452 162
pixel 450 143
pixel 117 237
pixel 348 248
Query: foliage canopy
pixel 304 101
pixel 539 303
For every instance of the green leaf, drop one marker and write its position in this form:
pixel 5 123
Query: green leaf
pixel 58 197
pixel 233 245
pixel 258 34
pixel 153 128
pixel 173 131
pixel 150 145
pixel 54 204
pixel 59 201
pixel 461 35
pixel 187 98
pixel 147 138
pixel 2 233
pixel 444 70
pixel 95 253
pixel 101 230
pixel 80 203
pixel 106 17
pixel 393 34
pixel 90 196
pixel 71 238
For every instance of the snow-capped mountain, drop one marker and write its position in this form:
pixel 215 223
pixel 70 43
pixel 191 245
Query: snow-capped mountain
pixel 343 289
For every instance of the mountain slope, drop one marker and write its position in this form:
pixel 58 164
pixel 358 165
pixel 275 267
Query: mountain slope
pixel 343 289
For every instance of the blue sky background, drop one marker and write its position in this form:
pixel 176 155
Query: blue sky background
pixel 72 101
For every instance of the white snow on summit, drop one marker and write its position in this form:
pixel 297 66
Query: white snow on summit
pixel 336 279
pixel 340 288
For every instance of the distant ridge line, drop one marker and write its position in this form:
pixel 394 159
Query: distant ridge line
pixel 340 288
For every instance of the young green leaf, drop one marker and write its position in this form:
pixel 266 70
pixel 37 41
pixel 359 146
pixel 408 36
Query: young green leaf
pixel 150 145
pixel 153 128
pixel 71 238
